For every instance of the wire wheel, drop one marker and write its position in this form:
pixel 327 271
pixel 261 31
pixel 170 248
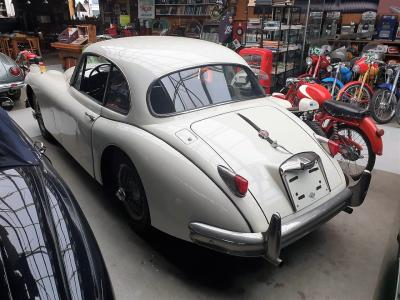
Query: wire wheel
pixel 383 106
pixel 356 153
pixel 128 189
pixel 350 95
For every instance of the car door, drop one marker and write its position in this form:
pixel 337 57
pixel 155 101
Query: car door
pixel 77 118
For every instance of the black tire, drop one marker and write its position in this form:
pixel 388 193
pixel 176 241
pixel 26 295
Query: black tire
pixel 127 187
pixel 378 106
pixel 47 135
pixel 364 163
pixel 315 127
pixel 14 95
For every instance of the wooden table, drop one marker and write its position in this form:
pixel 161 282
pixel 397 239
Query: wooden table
pixel 20 40
pixel 69 54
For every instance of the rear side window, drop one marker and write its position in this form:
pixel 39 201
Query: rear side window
pixel 117 96
pixel 203 86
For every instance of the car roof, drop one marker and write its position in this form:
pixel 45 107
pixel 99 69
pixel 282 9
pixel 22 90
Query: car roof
pixel 161 55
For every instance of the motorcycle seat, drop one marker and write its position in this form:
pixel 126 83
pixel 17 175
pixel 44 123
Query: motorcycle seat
pixel 345 110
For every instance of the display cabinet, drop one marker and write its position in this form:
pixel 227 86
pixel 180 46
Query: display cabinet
pixel 279 30
pixel 209 31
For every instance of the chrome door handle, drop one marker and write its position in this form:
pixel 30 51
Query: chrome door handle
pixel 91 117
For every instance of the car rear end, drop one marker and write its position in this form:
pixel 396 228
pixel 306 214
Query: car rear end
pixel 289 173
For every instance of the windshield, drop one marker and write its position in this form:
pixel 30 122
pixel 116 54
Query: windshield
pixel 203 86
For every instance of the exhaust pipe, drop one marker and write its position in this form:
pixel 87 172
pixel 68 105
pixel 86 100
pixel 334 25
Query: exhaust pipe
pixel 6 103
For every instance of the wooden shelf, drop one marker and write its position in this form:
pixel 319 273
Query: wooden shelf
pixel 392 54
pixel 366 41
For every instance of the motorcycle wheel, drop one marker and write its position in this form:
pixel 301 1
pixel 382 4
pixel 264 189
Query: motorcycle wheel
pixel 350 93
pixel 358 158
pixel 382 108
pixel 328 86
pixel 398 112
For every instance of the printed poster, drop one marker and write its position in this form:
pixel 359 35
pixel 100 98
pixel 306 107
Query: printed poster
pixel 146 9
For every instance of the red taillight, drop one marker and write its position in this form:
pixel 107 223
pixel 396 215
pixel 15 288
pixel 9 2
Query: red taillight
pixel 15 71
pixel 334 147
pixel 237 184
pixel 380 132
pixel 241 184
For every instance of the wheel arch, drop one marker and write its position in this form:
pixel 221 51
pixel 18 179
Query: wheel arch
pixel 352 83
pixel 331 80
pixel 106 160
pixel 171 207
pixel 29 94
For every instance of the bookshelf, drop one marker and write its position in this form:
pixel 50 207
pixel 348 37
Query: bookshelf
pixel 184 8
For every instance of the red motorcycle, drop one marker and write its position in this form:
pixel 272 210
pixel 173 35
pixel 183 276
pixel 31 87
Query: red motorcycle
pixel 302 87
pixel 26 58
pixel 348 126
pixel 318 63
pixel 360 91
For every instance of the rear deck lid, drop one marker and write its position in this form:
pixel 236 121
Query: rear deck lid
pixel 238 143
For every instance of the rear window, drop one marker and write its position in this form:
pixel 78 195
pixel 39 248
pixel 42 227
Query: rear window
pixel 203 86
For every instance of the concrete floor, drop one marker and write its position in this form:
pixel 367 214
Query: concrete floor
pixel 344 259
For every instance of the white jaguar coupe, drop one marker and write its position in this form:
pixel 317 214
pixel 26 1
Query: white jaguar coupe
pixel 181 132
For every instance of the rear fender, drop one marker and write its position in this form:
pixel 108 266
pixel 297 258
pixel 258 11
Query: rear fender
pixel 349 84
pixel 368 126
pixel 331 80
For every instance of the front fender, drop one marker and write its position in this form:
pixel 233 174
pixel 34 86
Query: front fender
pixel 178 192
pixel 349 84
pixel 367 125
pixel 331 80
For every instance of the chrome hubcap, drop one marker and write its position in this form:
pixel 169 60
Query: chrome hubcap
pixel 120 194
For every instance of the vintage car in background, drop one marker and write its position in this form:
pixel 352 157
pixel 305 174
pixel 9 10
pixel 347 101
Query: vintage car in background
pixel 182 133
pixel 11 81
pixel 47 250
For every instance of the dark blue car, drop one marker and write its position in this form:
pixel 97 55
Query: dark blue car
pixel 47 249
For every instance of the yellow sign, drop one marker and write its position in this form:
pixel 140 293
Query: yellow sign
pixel 124 20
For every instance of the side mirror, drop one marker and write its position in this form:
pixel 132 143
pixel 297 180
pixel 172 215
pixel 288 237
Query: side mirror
pixel 307 104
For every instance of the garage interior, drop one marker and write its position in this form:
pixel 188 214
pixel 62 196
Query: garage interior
pixel 350 257
pixel 346 258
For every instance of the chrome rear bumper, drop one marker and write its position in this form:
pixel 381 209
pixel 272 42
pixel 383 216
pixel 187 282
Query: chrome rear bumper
pixel 5 87
pixel 281 232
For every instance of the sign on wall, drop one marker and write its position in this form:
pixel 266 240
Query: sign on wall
pixel 146 9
